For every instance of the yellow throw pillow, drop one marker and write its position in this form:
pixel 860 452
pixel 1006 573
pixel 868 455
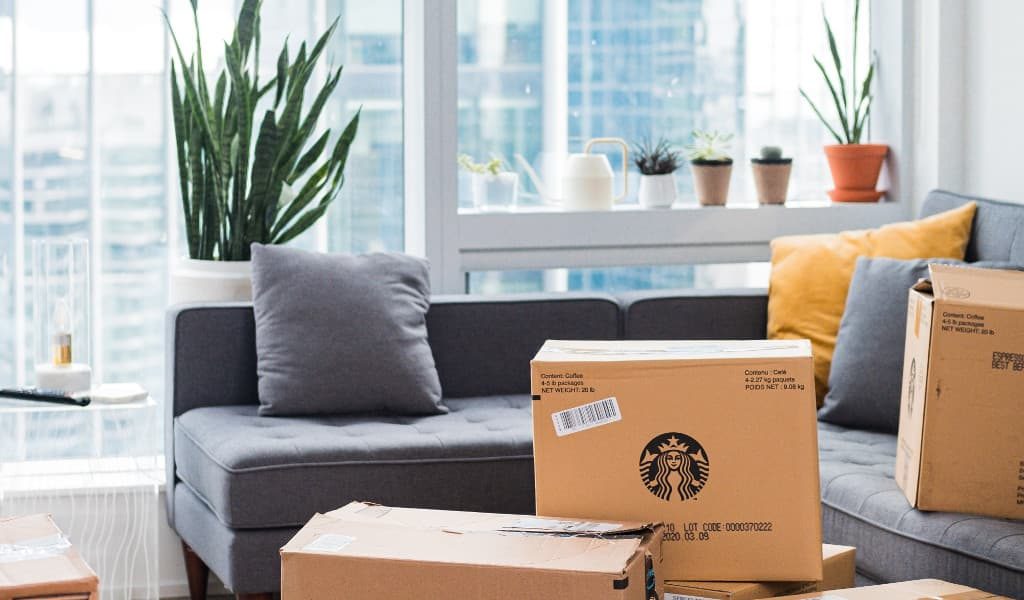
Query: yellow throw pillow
pixel 811 275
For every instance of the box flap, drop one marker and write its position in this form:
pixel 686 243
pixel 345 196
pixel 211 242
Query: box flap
pixel 922 589
pixel 632 350
pixel 36 557
pixel 984 287
pixel 434 536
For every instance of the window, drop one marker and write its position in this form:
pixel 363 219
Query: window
pixel 90 157
pixel 538 78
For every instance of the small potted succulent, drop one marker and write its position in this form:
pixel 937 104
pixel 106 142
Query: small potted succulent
pixel 711 165
pixel 657 164
pixel 771 175
pixel 494 189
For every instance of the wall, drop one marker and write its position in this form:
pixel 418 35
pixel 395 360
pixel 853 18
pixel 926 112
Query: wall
pixel 993 99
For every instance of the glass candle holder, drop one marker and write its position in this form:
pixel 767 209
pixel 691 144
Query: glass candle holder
pixel 61 314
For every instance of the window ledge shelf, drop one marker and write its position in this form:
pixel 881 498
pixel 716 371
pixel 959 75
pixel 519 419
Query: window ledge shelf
pixel 627 236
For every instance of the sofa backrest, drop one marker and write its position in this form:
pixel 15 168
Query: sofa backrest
pixel 483 345
pixel 998 226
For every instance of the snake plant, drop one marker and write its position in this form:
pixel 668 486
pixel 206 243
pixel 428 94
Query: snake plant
pixel 851 109
pixel 244 179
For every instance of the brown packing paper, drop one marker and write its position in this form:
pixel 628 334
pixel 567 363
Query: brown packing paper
pixel 718 440
pixel 368 551
pixel 923 589
pixel 838 571
pixel 39 562
pixel 960 446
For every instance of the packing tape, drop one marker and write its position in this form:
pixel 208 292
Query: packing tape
pixel 35 548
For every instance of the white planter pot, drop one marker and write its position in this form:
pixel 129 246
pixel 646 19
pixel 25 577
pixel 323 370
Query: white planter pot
pixel 211 281
pixel 657 191
pixel 495 192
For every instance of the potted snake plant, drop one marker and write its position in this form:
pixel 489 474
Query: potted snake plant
pixel 245 177
pixel 855 165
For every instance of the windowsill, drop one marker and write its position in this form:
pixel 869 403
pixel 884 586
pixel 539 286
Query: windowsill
pixel 543 237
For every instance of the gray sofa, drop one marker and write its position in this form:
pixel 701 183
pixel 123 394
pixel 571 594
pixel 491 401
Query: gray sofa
pixel 239 485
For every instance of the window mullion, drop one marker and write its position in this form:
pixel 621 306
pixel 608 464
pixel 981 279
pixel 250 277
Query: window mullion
pixel 430 90
pixel 95 201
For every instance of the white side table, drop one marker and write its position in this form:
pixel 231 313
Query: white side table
pixel 97 471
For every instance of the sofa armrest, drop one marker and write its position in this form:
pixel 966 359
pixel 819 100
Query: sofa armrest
pixel 739 314
pixel 210 361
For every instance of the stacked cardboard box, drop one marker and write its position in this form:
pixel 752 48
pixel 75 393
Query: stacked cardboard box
pixel 37 561
pixel 923 589
pixel 717 440
pixel 838 569
pixel 371 551
pixel 961 448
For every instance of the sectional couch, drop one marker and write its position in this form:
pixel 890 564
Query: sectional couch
pixel 240 485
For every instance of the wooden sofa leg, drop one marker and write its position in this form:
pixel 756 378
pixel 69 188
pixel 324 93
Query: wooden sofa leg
pixel 198 573
pixel 254 596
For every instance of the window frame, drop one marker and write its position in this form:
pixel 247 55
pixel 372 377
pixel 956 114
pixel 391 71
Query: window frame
pixel 458 242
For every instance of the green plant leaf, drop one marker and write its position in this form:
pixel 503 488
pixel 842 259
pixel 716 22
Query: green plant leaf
pixel 282 73
pixel 245 29
pixel 840 109
pixel 311 156
pixel 824 122
pixel 838 64
pixel 302 224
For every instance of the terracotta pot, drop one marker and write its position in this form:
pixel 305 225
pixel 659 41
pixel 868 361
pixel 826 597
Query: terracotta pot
pixel 711 181
pixel 771 177
pixel 856 166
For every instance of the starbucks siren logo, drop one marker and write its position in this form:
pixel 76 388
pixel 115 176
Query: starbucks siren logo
pixel 674 466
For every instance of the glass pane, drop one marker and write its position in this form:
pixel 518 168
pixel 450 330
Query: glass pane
pixel 7 309
pixel 369 214
pixel 619 279
pixel 132 194
pixel 52 65
pixel 645 69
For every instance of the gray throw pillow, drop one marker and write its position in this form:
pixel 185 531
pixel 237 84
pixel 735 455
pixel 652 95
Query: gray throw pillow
pixel 339 334
pixel 867 365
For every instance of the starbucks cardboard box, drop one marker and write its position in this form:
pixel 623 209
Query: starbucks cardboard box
pixel 961 444
pixel 370 551
pixel 37 561
pixel 838 570
pixel 717 440
pixel 922 589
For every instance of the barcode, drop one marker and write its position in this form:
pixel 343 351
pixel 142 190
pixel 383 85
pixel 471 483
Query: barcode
pixel 588 416
pixel 1008 360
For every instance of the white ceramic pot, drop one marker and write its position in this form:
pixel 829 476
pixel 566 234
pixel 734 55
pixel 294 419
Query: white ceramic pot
pixel 657 191
pixel 211 281
pixel 492 193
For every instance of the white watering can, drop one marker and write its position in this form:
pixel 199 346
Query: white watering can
pixel 587 179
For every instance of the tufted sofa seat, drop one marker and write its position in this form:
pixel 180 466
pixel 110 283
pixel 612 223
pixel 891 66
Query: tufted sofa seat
pixel 863 507
pixel 481 448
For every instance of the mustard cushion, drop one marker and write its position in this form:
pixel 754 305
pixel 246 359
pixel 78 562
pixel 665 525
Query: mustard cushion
pixel 811 275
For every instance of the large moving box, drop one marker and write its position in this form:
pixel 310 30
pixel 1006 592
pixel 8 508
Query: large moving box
pixel 838 571
pixel 37 561
pixel 718 440
pixel 922 589
pixel 961 443
pixel 363 551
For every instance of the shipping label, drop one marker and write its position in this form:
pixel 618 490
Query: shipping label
pixel 586 416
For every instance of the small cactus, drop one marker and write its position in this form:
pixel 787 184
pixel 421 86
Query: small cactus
pixel 771 153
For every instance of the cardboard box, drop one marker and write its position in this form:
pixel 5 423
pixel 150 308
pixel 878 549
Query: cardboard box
pixel 717 440
pixel 922 589
pixel 838 567
pixel 37 561
pixel 370 551
pixel 961 446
